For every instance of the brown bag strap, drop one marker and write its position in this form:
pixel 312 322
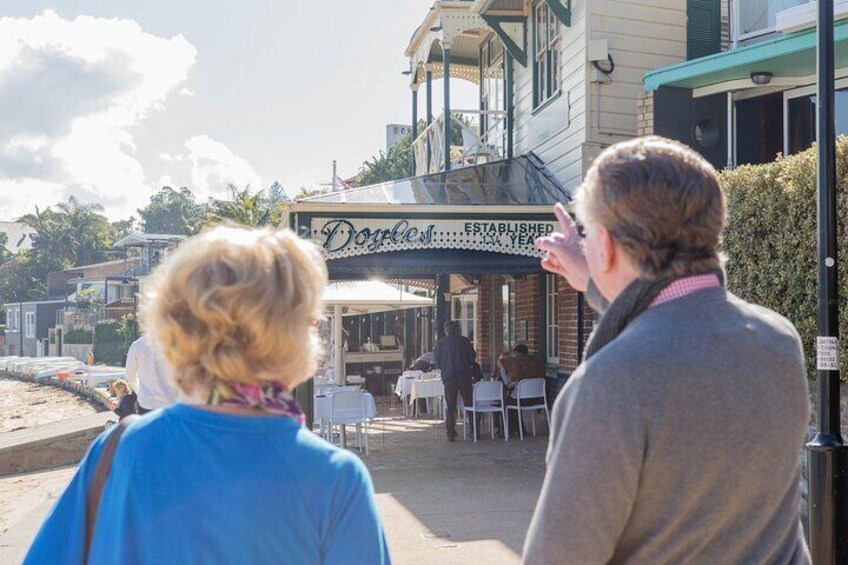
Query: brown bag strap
pixel 101 473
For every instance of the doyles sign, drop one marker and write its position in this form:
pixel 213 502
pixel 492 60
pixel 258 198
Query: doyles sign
pixel 341 237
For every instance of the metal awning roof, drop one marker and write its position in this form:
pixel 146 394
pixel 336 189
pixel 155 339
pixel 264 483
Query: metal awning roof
pixel 790 56
pixel 522 182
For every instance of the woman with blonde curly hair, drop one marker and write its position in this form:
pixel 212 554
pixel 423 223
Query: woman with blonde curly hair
pixel 229 474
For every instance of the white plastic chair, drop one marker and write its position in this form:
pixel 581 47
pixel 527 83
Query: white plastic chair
pixel 530 389
pixel 484 396
pixel 349 407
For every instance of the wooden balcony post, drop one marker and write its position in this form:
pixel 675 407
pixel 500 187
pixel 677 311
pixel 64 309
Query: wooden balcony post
pixel 447 113
pixel 429 79
pixel 414 134
pixel 510 111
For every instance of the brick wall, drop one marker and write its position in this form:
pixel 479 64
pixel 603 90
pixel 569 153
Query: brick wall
pixel 489 317
pixel 568 345
pixel 645 114
pixel 527 305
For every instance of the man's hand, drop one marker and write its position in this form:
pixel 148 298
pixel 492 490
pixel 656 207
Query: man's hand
pixel 564 254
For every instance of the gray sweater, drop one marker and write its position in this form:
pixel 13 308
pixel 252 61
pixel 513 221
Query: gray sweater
pixel 679 442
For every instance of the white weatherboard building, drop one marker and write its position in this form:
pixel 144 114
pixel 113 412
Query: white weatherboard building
pixel 559 78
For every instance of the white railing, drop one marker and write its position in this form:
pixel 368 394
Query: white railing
pixel 476 147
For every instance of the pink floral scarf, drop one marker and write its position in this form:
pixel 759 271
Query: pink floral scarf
pixel 273 398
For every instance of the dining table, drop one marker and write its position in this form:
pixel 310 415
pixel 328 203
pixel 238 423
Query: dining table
pixel 322 409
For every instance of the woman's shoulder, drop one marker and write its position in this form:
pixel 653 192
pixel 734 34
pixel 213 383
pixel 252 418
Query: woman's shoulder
pixel 322 455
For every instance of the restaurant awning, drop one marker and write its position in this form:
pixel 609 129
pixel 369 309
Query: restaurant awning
pixel 477 219
pixel 365 297
pixel 786 57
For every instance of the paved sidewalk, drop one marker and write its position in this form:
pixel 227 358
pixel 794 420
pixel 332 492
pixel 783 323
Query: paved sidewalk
pixel 25 500
pixel 454 503
pixel 441 502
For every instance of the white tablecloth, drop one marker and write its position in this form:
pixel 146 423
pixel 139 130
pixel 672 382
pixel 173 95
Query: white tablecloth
pixel 426 389
pixel 404 385
pixel 322 406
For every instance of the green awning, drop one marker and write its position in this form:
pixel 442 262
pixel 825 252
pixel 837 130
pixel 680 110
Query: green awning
pixel 786 56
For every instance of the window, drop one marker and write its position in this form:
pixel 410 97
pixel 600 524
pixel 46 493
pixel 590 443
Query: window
pixel 759 129
pixel 508 305
pixel 546 40
pixel 552 320
pixel 757 17
pixel 13 319
pixel 801 117
pixel 492 92
pixel 30 324
pixel 464 311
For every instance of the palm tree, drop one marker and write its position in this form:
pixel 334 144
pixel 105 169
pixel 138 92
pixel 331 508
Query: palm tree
pixel 243 207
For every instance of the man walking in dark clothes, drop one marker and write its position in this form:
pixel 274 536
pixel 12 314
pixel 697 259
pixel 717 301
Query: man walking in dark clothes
pixel 454 357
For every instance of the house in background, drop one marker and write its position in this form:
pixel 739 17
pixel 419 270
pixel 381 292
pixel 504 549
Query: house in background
pixel 28 325
pixel 746 94
pixel 82 297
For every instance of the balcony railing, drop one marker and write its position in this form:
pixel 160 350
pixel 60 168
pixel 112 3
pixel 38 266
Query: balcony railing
pixel 476 147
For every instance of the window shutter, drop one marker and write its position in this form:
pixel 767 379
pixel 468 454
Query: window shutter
pixel 703 33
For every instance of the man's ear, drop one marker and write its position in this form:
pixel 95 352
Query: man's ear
pixel 607 249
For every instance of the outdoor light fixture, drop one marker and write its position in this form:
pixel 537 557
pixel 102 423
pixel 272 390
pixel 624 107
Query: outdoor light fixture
pixel 761 78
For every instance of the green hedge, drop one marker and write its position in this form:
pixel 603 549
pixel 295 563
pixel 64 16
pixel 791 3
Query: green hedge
pixel 78 336
pixel 771 241
pixel 109 344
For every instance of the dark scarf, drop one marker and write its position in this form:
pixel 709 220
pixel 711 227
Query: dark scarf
pixel 632 301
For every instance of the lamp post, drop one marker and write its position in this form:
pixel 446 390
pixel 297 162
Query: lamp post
pixel 827 453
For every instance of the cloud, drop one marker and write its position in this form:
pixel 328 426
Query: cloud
pixel 214 166
pixel 71 92
pixel 187 92
pixel 169 158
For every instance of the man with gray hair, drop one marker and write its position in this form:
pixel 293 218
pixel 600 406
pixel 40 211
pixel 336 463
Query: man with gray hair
pixel 678 438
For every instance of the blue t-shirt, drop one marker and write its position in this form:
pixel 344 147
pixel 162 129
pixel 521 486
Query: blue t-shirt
pixel 192 486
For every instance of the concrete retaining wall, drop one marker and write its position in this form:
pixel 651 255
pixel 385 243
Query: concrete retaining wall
pixel 58 443
pixel 51 445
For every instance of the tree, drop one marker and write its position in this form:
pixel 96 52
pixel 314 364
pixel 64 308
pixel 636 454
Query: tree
pixel 72 235
pixel 276 195
pixel 396 163
pixel 5 254
pixel 172 212
pixel 305 193
pixel 389 166
pixel 243 207
pixel 88 229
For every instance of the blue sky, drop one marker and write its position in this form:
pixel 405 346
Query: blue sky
pixel 113 98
